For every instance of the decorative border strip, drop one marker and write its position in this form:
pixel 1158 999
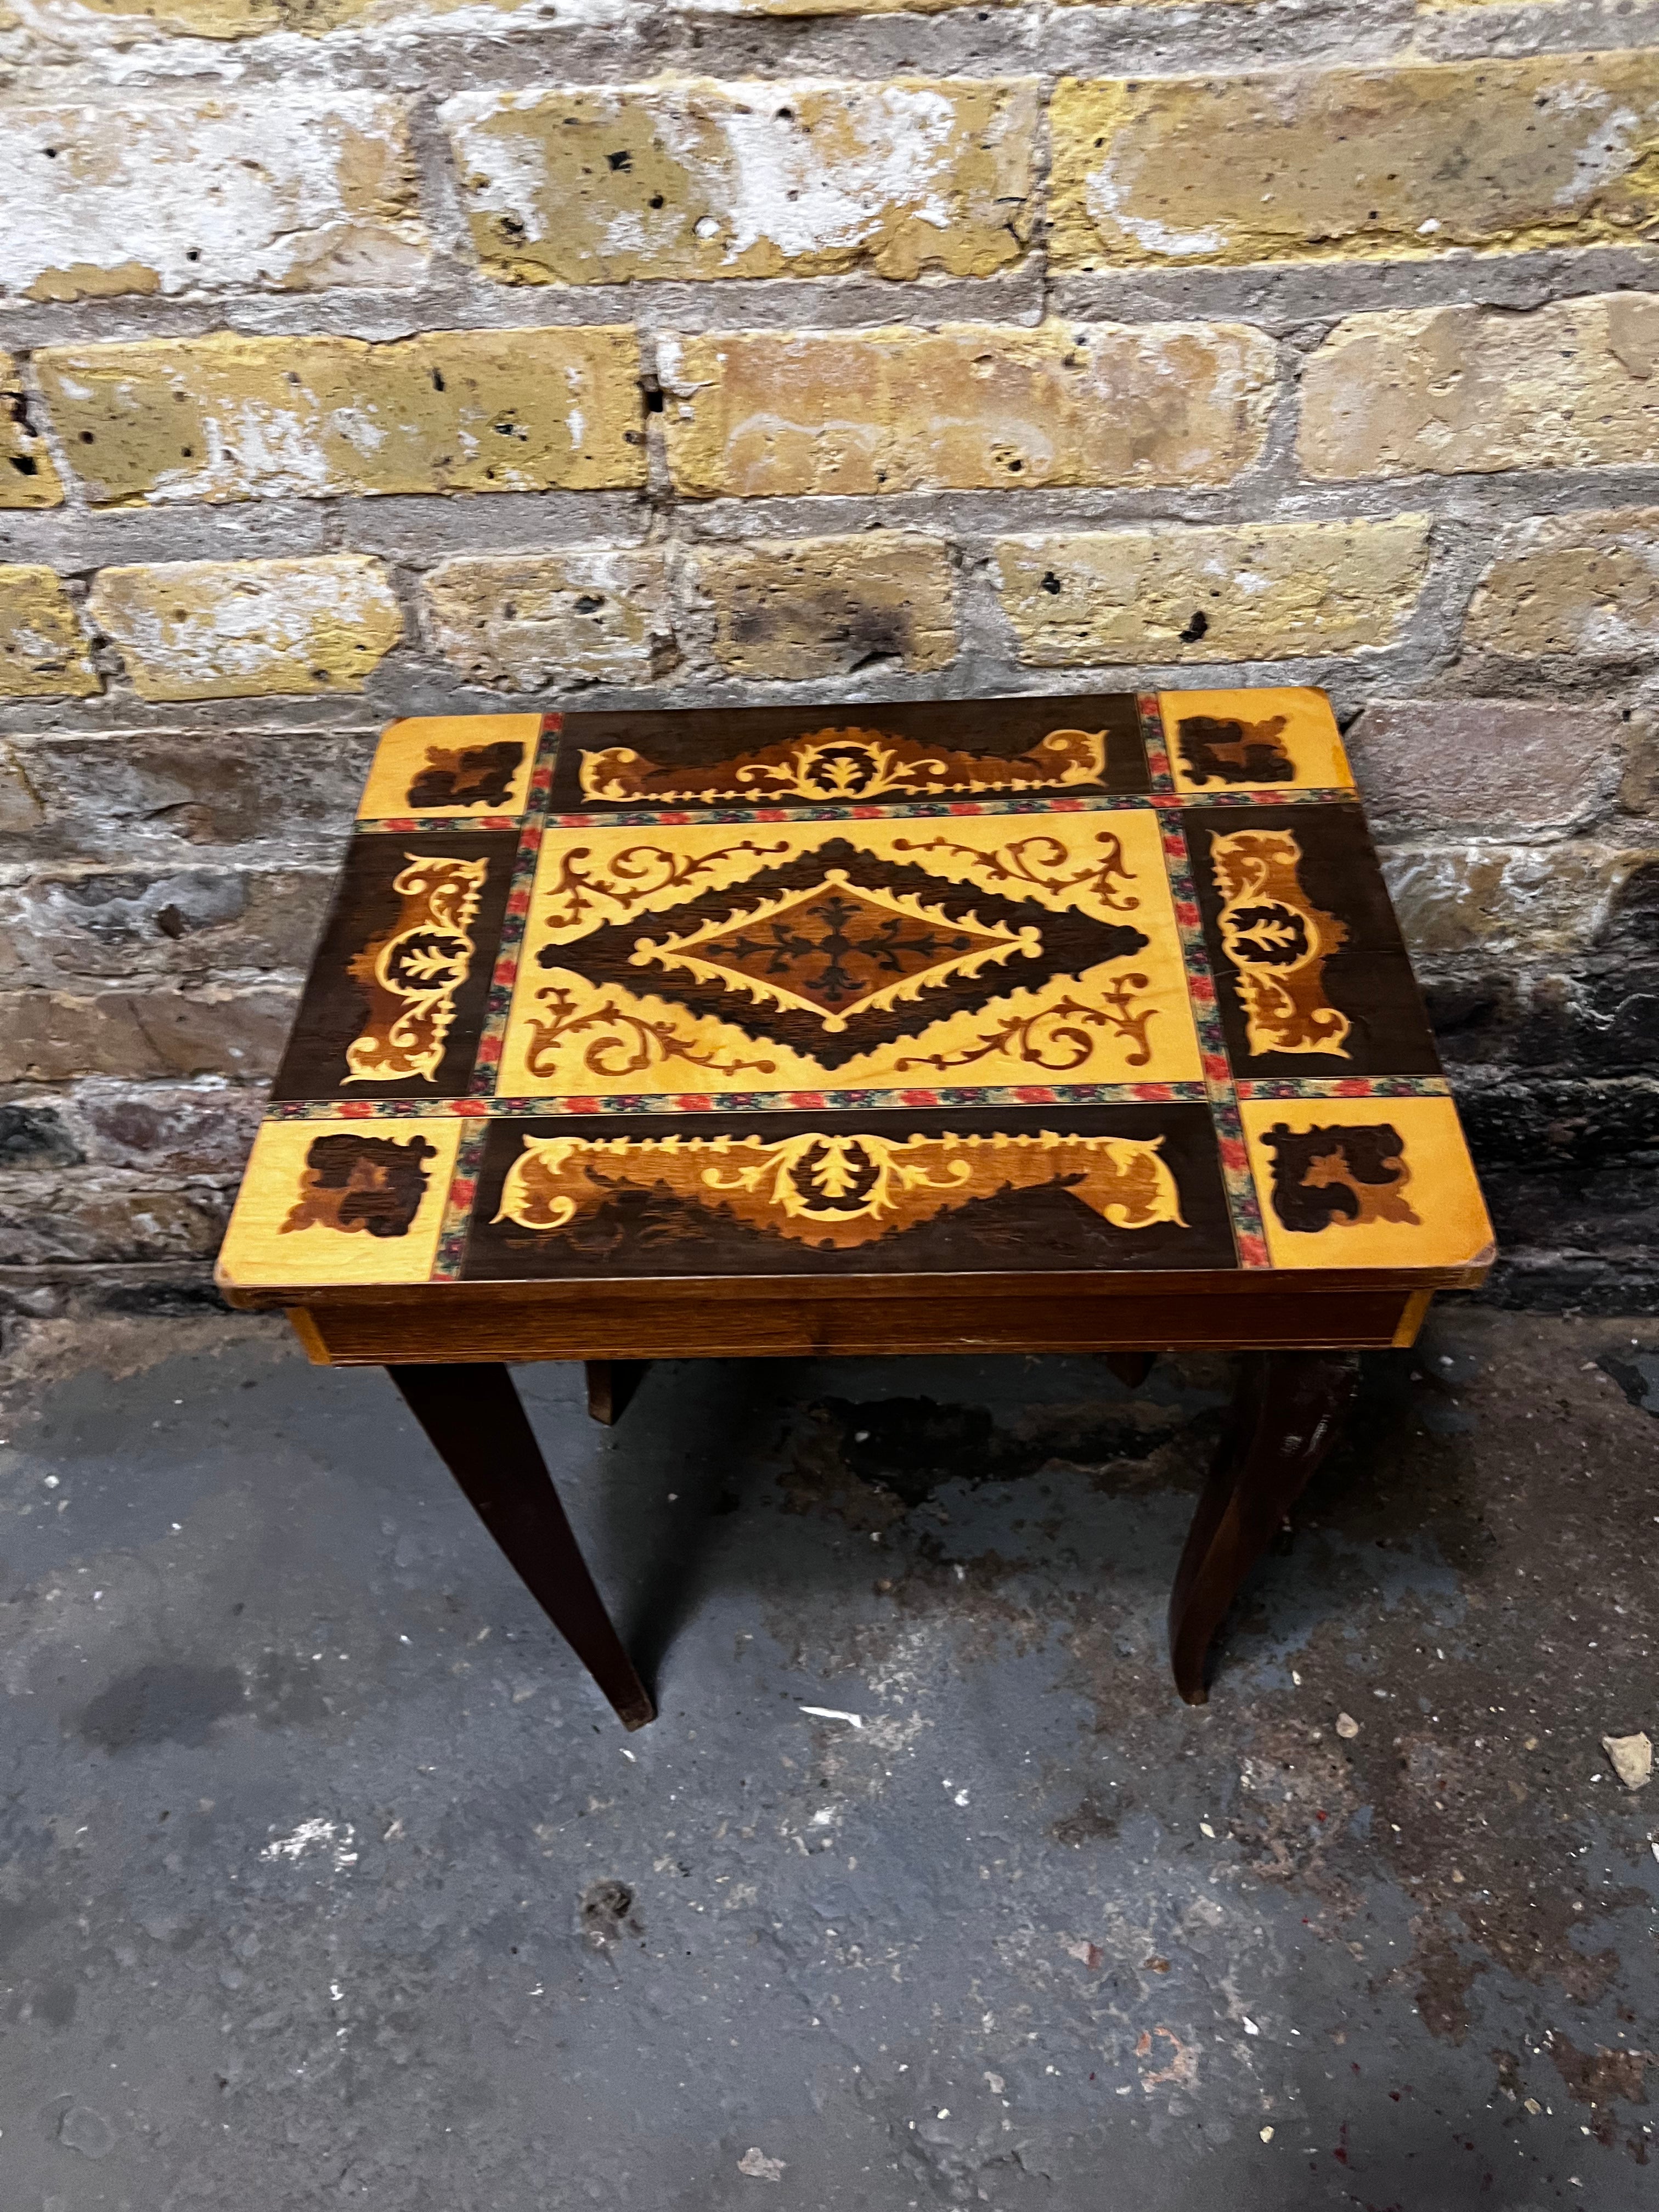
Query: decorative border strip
pixel 750 1101
pixel 1345 1087
pixel 458 1205
pixel 437 826
pixel 1218 1069
pixel 1308 794
pixel 1105 802
pixel 1151 737
pixel 876 1101
pixel 541 776
pixel 499 1004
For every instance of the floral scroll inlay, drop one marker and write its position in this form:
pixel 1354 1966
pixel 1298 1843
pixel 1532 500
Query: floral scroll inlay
pixel 410 976
pixel 1345 1176
pixel 1214 750
pixel 834 951
pixel 839 1190
pixel 1278 942
pixel 845 764
pixel 353 1183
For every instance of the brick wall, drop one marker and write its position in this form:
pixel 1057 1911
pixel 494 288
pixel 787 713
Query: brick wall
pixel 377 356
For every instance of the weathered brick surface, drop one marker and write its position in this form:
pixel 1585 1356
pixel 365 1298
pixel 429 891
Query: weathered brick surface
pixel 699 179
pixel 1583 1006
pixel 1526 901
pixel 43 653
pixel 965 408
pixel 1456 390
pixel 233 19
pixel 805 609
pixel 249 19
pixel 1314 164
pixel 1585 586
pixel 1639 783
pixel 855 6
pixel 1483 766
pixel 53 1037
pixel 229 418
pixel 27 477
pixel 77 1220
pixel 202 1129
pixel 1172 593
pixel 209 630
pixel 546 621
pixel 20 811
pixel 848 8
pixel 192 924
pixel 166 793
pixel 308 190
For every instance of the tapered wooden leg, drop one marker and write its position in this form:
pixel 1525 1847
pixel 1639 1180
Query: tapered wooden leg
pixel 610 1384
pixel 1284 1416
pixel 1131 1368
pixel 472 1417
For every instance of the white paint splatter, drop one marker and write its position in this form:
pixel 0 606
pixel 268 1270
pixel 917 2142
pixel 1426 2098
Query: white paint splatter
pixel 503 175
pixel 774 186
pixel 764 178
pixel 1105 196
pixel 223 193
pixel 335 1838
pixel 1606 155
pixel 263 616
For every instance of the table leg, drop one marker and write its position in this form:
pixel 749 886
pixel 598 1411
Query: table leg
pixel 1131 1368
pixel 611 1386
pixel 472 1418
pixel 1284 1416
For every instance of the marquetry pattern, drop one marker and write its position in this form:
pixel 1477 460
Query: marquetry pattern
pixel 1086 983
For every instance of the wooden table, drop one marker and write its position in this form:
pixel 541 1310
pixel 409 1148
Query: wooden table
pixel 1069 1024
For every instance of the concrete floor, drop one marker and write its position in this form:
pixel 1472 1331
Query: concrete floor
pixel 327 1877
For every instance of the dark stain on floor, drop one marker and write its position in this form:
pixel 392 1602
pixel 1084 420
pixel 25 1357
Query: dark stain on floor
pixel 164 1702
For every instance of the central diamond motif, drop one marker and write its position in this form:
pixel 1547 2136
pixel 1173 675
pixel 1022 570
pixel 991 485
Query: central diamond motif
pixel 835 953
pixel 837 948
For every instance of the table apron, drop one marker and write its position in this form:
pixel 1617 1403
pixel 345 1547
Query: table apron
pixel 771 1324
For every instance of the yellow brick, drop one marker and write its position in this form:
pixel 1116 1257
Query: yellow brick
pixel 964 408
pixel 27 477
pixel 295 192
pixel 692 179
pixel 249 19
pixel 812 608
pixel 1583 585
pixel 543 621
pixel 246 629
pixel 200 19
pixel 1457 390
pixel 860 7
pixel 230 418
pixel 1265 592
pixel 235 19
pixel 1319 165
pixel 42 653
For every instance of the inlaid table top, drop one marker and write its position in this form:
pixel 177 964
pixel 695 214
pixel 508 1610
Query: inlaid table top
pixel 1004 1000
